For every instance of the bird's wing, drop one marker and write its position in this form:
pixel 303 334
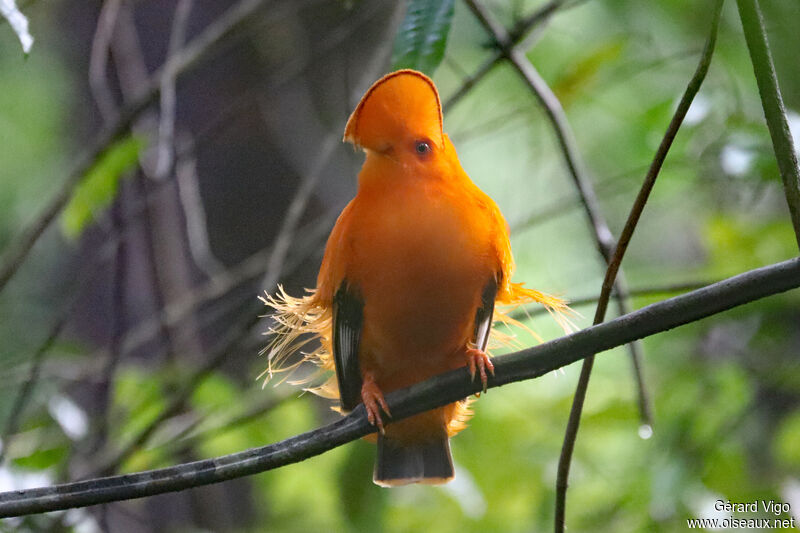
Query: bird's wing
pixel 348 317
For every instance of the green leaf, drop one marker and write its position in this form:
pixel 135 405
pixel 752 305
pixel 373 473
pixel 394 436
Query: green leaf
pixel 18 23
pixel 99 187
pixel 422 37
pixel 42 458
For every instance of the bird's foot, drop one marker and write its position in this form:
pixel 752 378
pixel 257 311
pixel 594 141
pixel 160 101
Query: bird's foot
pixel 373 400
pixel 478 361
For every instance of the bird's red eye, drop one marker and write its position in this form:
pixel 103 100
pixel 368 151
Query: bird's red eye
pixel 422 148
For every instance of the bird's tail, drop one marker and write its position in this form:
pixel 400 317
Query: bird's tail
pixel 401 463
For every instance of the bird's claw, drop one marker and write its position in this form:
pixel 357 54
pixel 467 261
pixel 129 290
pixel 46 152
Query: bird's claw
pixel 478 361
pixel 374 402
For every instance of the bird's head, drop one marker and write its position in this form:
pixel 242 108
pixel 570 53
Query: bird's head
pixel 400 116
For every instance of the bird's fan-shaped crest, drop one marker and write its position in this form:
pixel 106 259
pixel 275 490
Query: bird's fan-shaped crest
pixel 401 106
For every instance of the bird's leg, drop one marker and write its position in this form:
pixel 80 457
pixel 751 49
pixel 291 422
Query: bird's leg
pixel 373 400
pixel 477 360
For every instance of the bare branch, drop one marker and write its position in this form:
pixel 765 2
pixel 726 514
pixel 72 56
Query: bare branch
pixel 166 126
pixel 187 182
pixel 471 81
pixel 440 390
pixel 297 206
pixel 615 263
pixel 772 102
pixel 98 60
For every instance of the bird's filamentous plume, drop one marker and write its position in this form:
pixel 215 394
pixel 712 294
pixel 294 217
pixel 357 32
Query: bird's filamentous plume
pixel 298 323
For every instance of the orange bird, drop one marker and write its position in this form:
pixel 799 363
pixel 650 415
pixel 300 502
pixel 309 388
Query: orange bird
pixel 409 280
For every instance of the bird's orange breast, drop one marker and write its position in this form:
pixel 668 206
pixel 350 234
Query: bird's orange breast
pixel 420 259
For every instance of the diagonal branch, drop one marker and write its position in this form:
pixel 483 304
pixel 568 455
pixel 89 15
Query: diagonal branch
pixel 772 102
pixel 439 390
pixel 615 263
pixel 98 60
pixel 164 153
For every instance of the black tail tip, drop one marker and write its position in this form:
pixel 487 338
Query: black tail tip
pixel 427 462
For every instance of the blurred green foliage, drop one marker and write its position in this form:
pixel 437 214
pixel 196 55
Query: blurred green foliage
pixel 725 391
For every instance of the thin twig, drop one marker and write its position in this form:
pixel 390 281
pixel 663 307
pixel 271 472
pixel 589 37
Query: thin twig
pixel 192 55
pixel 772 102
pixel 603 238
pixel 616 261
pixel 296 208
pixel 166 125
pixel 187 182
pixel 439 390
pixel 98 60
pixel 468 83
pixel 155 276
